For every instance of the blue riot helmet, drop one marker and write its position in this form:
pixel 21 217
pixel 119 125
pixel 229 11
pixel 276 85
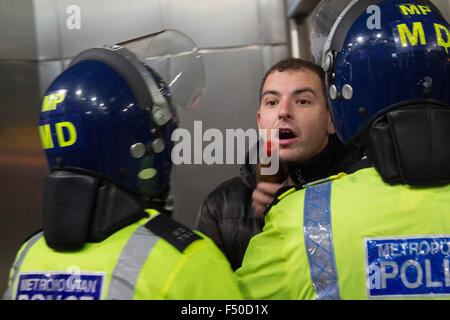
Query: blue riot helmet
pixel 112 112
pixel 106 124
pixel 388 75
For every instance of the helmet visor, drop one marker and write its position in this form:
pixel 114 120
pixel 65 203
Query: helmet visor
pixel 177 60
pixel 323 18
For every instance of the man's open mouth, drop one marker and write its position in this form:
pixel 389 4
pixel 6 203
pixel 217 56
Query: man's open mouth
pixel 285 134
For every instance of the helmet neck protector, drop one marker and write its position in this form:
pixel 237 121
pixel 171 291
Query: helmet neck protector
pixel 409 144
pixel 80 208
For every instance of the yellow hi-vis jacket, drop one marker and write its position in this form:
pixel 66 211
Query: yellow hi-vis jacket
pixel 352 237
pixel 133 263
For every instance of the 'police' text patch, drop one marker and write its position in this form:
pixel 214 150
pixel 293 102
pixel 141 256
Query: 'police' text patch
pixel 401 267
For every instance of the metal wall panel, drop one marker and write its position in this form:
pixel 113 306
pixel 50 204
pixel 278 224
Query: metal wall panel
pixel 17 38
pixel 19 93
pixel 22 164
pixel 272 22
pixel 106 22
pixel 47 30
pixel 214 24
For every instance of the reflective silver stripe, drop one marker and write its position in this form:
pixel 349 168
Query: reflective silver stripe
pixel 319 241
pixel 129 265
pixel 8 293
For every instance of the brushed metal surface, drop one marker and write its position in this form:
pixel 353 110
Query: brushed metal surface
pixel 17 37
pixel 106 22
pixel 22 162
pixel 214 24
pixel 273 22
pixel 47 30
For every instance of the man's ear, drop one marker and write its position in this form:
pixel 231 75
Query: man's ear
pixel 330 128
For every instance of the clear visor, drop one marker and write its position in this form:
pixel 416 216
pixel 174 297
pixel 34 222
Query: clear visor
pixel 177 60
pixel 323 18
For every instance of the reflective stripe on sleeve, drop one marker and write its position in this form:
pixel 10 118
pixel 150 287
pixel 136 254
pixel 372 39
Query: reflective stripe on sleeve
pixel 8 293
pixel 319 241
pixel 131 260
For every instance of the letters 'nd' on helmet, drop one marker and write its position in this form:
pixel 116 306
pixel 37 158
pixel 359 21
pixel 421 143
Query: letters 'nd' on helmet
pixel 379 55
pixel 112 112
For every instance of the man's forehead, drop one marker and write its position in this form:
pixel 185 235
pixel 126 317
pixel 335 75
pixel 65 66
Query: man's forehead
pixel 300 75
pixel 292 80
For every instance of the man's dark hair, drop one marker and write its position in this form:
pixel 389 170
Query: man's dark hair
pixel 296 64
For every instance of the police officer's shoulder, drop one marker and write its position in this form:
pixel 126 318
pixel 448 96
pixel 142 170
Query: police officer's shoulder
pixel 281 193
pixel 32 235
pixel 175 233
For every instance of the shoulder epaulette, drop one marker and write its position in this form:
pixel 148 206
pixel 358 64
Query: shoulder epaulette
pixel 281 193
pixel 173 232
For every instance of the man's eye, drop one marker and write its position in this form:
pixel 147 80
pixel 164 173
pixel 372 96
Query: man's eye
pixel 271 103
pixel 303 101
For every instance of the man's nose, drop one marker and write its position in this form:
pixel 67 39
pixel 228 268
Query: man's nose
pixel 284 110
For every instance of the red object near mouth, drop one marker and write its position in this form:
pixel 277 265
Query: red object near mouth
pixel 268 148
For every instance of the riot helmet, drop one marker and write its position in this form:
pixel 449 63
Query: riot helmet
pixel 112 111
pixel 388 71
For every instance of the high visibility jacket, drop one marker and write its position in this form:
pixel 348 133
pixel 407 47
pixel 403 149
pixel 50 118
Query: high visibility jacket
pixel 133 263
pixel 352 237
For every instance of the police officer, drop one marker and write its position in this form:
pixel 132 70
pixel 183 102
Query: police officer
pixel 383 231
pixel 105 125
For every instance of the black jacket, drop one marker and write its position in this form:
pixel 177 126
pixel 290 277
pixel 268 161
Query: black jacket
pixel 226 215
